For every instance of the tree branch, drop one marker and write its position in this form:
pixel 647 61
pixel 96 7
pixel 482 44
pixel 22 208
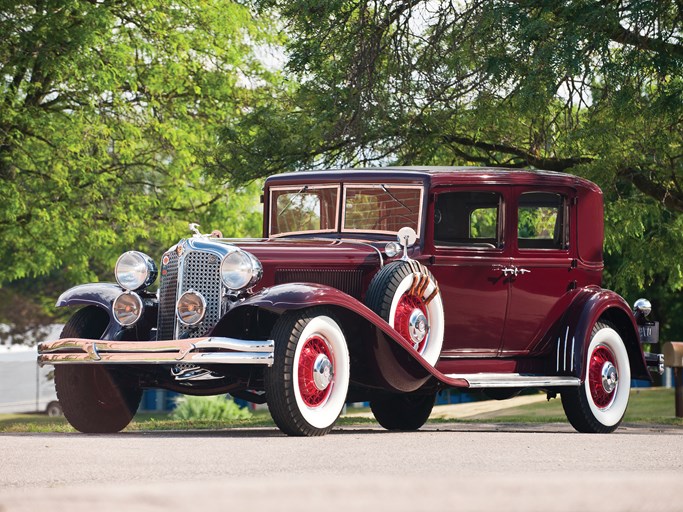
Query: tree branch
pixel 619 34
pixel 668 197
pixel 550 164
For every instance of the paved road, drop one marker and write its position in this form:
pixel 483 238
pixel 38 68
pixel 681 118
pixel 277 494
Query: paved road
pixel 462 467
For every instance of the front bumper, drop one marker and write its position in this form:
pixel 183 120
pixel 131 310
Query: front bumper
pixel 207 350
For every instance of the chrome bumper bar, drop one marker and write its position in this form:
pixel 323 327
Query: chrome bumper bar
pixel 207 350
pixel 655 362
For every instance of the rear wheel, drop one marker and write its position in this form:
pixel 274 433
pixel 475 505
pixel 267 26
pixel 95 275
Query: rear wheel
pixel 402 412
pixel 307 385
pixel 93 398
pixel 599 404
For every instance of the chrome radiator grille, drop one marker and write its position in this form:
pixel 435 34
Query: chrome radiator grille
pixel 201 273
pixel 195 270
pixel 167 297
pixel 348 281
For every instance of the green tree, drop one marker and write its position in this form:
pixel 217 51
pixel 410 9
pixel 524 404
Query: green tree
pixel 593 88
pixel 109 112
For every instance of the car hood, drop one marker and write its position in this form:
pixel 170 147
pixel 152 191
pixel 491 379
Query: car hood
pixel 279 252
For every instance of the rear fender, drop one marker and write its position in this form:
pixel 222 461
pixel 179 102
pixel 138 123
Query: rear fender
pixel 379 354
pixel 572 334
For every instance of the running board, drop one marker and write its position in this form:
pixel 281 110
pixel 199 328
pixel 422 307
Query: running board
pixel 514 380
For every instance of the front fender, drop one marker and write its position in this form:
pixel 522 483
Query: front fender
pixel 590 306
pixel 100 295
pixel 401 368
pixel 94 294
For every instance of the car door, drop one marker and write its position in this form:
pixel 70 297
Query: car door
pixel 470 253
pixel 543 261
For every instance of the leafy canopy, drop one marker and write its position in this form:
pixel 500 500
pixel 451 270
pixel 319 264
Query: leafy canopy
pixel 592 88
pixel 109 114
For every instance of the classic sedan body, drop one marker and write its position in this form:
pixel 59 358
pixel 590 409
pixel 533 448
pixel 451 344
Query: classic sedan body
pixel 380 285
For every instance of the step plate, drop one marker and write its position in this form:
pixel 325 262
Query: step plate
pixel 514 380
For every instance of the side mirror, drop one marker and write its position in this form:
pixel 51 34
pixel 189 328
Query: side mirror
pixel 406 237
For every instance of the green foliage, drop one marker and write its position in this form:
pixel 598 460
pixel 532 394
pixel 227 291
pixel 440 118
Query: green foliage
pixel 536 222
pixel 591 88
pixel 208 408
pixel 109 114
pixel 484 223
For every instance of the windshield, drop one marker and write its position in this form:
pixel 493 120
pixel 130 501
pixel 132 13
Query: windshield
pixel 367 208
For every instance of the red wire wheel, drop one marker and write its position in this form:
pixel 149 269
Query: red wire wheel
pixel 405 308
pixel 601 357
pixel 315 353
pixel 599 403
pixel 307 384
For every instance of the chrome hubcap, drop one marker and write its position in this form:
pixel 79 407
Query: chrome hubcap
pixel 322 372
pixel 417 326
pixel 609 377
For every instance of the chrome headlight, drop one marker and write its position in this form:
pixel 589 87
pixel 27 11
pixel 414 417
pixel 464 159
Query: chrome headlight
pixel 240 269
pixel 135 270
pixel 191 308
pixel 127 308
pixel 392 249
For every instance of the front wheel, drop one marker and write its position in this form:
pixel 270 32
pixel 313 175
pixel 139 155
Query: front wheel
pixel 599 403
pixel 307 385
pixel 402 412
pixel 93 398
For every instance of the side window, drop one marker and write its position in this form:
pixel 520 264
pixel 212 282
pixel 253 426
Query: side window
pixel 468 219
pixel 541 221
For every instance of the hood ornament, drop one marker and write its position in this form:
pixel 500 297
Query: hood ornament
pixel 194 227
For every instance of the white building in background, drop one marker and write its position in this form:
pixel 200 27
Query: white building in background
pixel 24 386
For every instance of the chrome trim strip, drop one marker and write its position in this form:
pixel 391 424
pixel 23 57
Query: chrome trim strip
pixel 211 349
pixel 235 344
pixel 564 363
pixel 559 340
pixel 571 367
pixel 514 380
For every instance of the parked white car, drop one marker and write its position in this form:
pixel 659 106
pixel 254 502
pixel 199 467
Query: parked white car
pixel 25 387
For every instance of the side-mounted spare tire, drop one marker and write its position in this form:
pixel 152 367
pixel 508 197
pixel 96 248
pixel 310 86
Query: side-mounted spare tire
pixel 407 296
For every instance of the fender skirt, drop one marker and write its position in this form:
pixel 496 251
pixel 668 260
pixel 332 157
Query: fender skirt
pixel 389 360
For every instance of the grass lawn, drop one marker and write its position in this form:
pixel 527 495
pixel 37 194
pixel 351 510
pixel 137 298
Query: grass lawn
pixel 647 406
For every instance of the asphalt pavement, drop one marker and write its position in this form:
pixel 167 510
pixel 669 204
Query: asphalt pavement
pixel 460 466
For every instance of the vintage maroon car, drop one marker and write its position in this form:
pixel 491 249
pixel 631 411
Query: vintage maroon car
pixel 380 285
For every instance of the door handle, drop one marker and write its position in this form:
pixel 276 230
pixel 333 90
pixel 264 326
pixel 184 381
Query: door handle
pixel 507 271
pixel 512 271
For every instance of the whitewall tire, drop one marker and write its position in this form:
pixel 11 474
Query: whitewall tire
pixel 598 405
pixel 307 385
pixel 406 295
